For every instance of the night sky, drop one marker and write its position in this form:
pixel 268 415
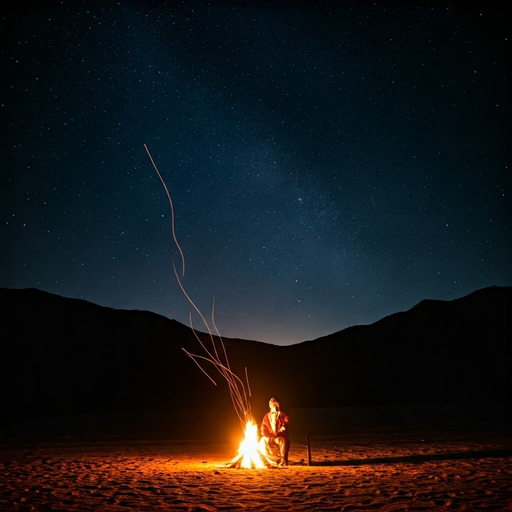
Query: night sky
pixel 329 165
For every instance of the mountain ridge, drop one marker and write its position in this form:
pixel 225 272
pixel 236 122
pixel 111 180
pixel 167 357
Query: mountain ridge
pixel 71 354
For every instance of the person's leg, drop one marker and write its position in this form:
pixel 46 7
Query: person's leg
pixel 284 448
pixel 269 447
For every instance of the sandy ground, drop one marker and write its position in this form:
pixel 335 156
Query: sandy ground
pixel 410 468
pixel 348 473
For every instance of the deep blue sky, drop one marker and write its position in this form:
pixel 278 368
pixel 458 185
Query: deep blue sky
pixel 329 165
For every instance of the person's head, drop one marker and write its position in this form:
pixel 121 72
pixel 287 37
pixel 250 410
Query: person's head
pixel 273 404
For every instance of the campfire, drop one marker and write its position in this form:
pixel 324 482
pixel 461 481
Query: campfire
pixel 249 454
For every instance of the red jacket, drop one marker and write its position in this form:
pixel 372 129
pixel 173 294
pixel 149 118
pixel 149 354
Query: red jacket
pixel 282 422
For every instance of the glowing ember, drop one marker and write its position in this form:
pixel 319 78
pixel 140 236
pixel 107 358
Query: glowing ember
pixel 249 455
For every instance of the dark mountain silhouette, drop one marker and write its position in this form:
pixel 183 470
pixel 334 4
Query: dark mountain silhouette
pixel 65 355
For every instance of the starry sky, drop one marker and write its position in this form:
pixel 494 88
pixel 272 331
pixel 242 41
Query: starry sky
pixel 329 165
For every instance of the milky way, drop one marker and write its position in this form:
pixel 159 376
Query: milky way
pixel 328 165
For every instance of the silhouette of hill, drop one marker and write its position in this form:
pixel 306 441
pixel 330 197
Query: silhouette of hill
pixel 66 355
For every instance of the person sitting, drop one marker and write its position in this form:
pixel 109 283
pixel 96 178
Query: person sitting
pixel 275 442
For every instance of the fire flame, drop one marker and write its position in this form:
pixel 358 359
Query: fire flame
pixel 249 455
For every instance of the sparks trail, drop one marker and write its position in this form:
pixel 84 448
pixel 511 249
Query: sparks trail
pixel 237 390
pixel 172 209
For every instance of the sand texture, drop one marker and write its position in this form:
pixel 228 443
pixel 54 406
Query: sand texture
pixel 384 470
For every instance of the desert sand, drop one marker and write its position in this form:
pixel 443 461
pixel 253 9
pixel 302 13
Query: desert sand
pixel 367 466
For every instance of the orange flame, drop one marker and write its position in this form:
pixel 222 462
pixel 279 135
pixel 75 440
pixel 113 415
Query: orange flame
pixel 249 455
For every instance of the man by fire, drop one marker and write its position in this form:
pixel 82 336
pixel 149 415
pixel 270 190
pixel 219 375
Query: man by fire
pixel 275 442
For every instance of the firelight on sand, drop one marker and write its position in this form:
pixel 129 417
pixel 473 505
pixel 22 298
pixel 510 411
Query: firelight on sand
pixel 249 455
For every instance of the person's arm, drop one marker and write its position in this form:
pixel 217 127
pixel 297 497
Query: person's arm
pixel 284 421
